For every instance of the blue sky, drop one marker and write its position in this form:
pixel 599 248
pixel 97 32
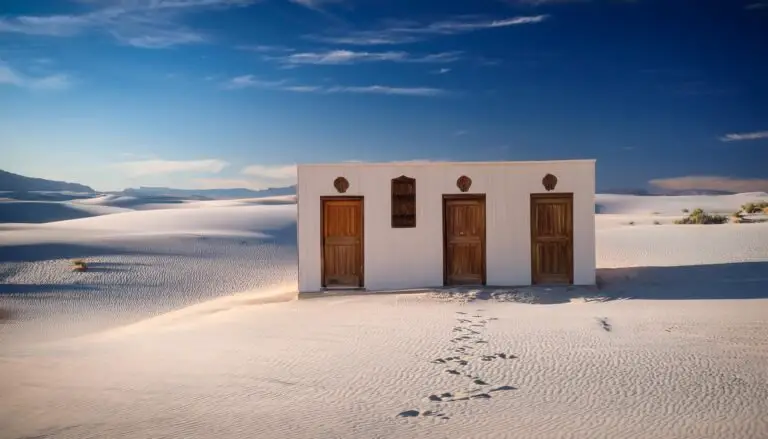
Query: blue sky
pixel 233 93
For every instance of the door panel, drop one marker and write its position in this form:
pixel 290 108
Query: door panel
pixel 464 234
pixel 342 243
pixel 552 238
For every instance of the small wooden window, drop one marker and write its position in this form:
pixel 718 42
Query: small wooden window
pixel 403 202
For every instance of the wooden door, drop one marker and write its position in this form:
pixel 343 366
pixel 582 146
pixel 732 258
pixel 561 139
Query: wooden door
pixel 552 238
pixel 342 242
pixel 464 239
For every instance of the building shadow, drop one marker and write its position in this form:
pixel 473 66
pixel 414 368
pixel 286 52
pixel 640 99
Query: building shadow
pixel 738 280
pixel 745 280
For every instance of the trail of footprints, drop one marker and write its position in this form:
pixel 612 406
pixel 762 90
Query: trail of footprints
pixel 467 342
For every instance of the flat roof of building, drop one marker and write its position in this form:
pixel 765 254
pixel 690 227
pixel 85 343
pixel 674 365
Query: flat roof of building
pixel 444 163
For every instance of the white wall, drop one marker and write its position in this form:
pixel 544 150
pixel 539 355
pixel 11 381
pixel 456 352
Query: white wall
pixel 413 257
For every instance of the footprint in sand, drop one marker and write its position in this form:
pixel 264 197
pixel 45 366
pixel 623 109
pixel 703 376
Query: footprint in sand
pixel 481 396
pixel 480 382
pixel 433 413
pixel 460 312
pixel 434 398
pixel 604 323
pixel 504 356
pixel 453 372
pixel 502 388
pixel 408 414
pixel 446 395
pixel 439 361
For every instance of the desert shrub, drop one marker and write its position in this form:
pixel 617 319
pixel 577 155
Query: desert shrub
pixel 631 223
pixel 698 216
pixel 754 207
pixel 79 265
pixel 685 211
pixel 656 223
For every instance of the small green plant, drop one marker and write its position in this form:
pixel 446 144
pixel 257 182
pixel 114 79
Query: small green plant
pixel 698 216
pixel 754 207
pixel 79 265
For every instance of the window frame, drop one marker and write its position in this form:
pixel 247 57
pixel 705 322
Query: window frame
pixel 399 199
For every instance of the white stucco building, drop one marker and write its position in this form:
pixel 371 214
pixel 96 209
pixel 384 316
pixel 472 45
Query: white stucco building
pixel 387 226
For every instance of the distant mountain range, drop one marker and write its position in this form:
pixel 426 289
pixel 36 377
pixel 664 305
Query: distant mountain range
pixel 646 192
pixel 19 183
pixel 10 182
pixel 209 193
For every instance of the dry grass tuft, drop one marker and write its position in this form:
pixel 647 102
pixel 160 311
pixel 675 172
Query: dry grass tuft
pixel 79 265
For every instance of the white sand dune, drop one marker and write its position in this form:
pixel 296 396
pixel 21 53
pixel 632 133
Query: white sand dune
pixel 14 211
pixel 187 326
pixel 673 205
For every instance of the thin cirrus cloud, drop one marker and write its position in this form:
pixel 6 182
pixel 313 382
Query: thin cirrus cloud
pixel 756 6
pixel 314 4
pixel 265 48
pixel 339 57
pixel 150 24
pixel 249 81
pixel 141 168
pixel 283 172
pixel 254 177
pixel 736 185
pixel 404 32
pixel 13 77
pixel 735 137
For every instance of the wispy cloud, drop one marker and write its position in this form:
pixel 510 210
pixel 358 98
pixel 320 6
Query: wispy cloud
pixel 386 90
pixel 544 2
pixel 10 76
pixel 282 172
pixel 149 24
pixel 263 48
pixel 442 71
pixel 409 32
pixel 460 133
pixel 159 39
pixel 314 4
pixel 250 81
pixel 254 177
pixel 338 57
pixel 156 166
pixel 756 6
pixel 738 185
pixel 745 136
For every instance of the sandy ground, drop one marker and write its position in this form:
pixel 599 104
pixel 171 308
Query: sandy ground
pixel 188 326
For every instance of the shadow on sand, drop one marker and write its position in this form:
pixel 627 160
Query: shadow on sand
pixel 32 289
pixel 747 280
pixel 744 280
pixel 45 252
pixel 37 212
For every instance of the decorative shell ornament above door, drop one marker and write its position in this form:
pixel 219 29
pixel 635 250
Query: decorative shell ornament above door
pixel 341 184
pixel 464 183
pixel 549 181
